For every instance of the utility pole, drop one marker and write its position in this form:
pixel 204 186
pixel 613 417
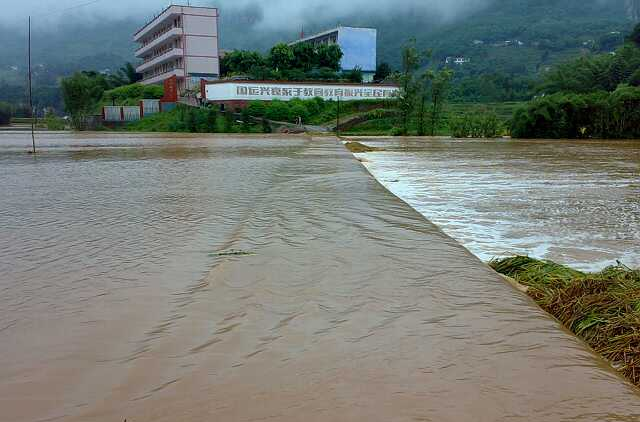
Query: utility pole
pixel 33 123
pixel 338 119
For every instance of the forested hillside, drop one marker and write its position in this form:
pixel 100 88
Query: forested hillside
pixel 505 38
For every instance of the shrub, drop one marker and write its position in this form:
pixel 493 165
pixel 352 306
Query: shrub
pixel 212 120
pixel 228 121
pixel 5 113
pixel 601 114
pixel 246 120
pixel 277 110
pixel 53 122
pixel 266 127
pixel 298 110
pixel 257 108
pixel 131 94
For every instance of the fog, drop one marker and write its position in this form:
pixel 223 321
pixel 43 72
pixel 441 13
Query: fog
pixel 267 13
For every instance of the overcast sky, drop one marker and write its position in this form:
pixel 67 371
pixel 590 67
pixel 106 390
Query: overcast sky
pixel 279 13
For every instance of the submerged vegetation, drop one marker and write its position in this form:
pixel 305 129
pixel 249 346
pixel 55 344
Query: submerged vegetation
pixel 357 147
pixel 602 308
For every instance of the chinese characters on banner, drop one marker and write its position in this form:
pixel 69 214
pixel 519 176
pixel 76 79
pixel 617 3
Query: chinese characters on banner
pixel 261 91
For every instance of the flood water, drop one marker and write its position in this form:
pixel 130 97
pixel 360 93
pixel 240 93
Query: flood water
pixel 575 202
pixel 222 279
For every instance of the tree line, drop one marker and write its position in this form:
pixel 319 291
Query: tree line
pixel 285 62
pixel 590 97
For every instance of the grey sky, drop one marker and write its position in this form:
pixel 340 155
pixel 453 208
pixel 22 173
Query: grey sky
pixel 280 13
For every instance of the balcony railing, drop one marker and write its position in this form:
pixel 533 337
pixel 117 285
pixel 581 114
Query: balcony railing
pixel 161 76
pixel 168 55
pixel 173 32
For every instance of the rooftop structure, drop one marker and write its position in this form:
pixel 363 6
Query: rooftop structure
pixel 182 41
pixel 358 45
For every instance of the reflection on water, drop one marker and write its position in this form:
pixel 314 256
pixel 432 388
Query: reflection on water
pixel 576 202
pixel 223 279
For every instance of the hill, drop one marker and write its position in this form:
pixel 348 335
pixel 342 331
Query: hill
pixel 512 37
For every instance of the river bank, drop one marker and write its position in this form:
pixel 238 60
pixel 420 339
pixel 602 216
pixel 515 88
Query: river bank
pixel 236 279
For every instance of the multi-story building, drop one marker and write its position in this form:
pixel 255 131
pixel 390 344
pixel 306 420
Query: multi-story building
pixel 182 41
pixel 358 45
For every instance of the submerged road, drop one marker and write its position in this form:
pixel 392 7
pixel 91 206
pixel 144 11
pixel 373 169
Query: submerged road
pixel 328 299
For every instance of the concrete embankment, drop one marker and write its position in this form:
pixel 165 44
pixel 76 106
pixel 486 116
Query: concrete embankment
pixel 332 300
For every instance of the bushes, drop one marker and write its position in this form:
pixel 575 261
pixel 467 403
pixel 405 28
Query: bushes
pixel 484 124
pixel 132 94
pixel 298 110
pixel 277 110
pixel 5 113
pixel 54 122
pixel 313 111
pixel 257 108
pixel 596 115
pixel 194 120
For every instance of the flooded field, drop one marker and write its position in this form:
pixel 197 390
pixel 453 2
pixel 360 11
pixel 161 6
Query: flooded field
pixel 245 279
pixel 576 202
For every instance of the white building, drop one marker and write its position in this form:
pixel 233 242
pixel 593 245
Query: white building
pixel 457 60
pixel 182 41
pixel 358 45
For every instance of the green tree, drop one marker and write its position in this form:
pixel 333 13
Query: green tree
pixel 329 56
pixel 81 93
pixel 281 57
pixel 257 108
pixel 304 57
pixel 354 75
pixel 241 62
pixel 383 71
pixel 278 111
pixel 439 85
pixel 408 85
pixel 129 74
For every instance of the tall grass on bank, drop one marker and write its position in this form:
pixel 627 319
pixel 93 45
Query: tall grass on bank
pixel 602 308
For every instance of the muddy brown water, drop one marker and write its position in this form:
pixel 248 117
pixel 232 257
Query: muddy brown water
pixel 575 202
pixel 228 279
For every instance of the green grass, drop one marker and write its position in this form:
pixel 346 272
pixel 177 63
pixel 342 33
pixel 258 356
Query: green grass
pixel 388 125
pixel 602 308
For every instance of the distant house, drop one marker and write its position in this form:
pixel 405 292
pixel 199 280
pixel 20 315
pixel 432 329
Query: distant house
pixel 457 60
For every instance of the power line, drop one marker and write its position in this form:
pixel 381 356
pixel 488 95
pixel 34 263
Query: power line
pixel 66 9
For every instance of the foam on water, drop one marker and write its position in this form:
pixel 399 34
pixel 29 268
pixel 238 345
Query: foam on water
pixel 576 202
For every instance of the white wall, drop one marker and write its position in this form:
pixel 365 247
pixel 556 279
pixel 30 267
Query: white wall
pixel 201 25
pixel 201 46
pixel 208 65
pixel 287 91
